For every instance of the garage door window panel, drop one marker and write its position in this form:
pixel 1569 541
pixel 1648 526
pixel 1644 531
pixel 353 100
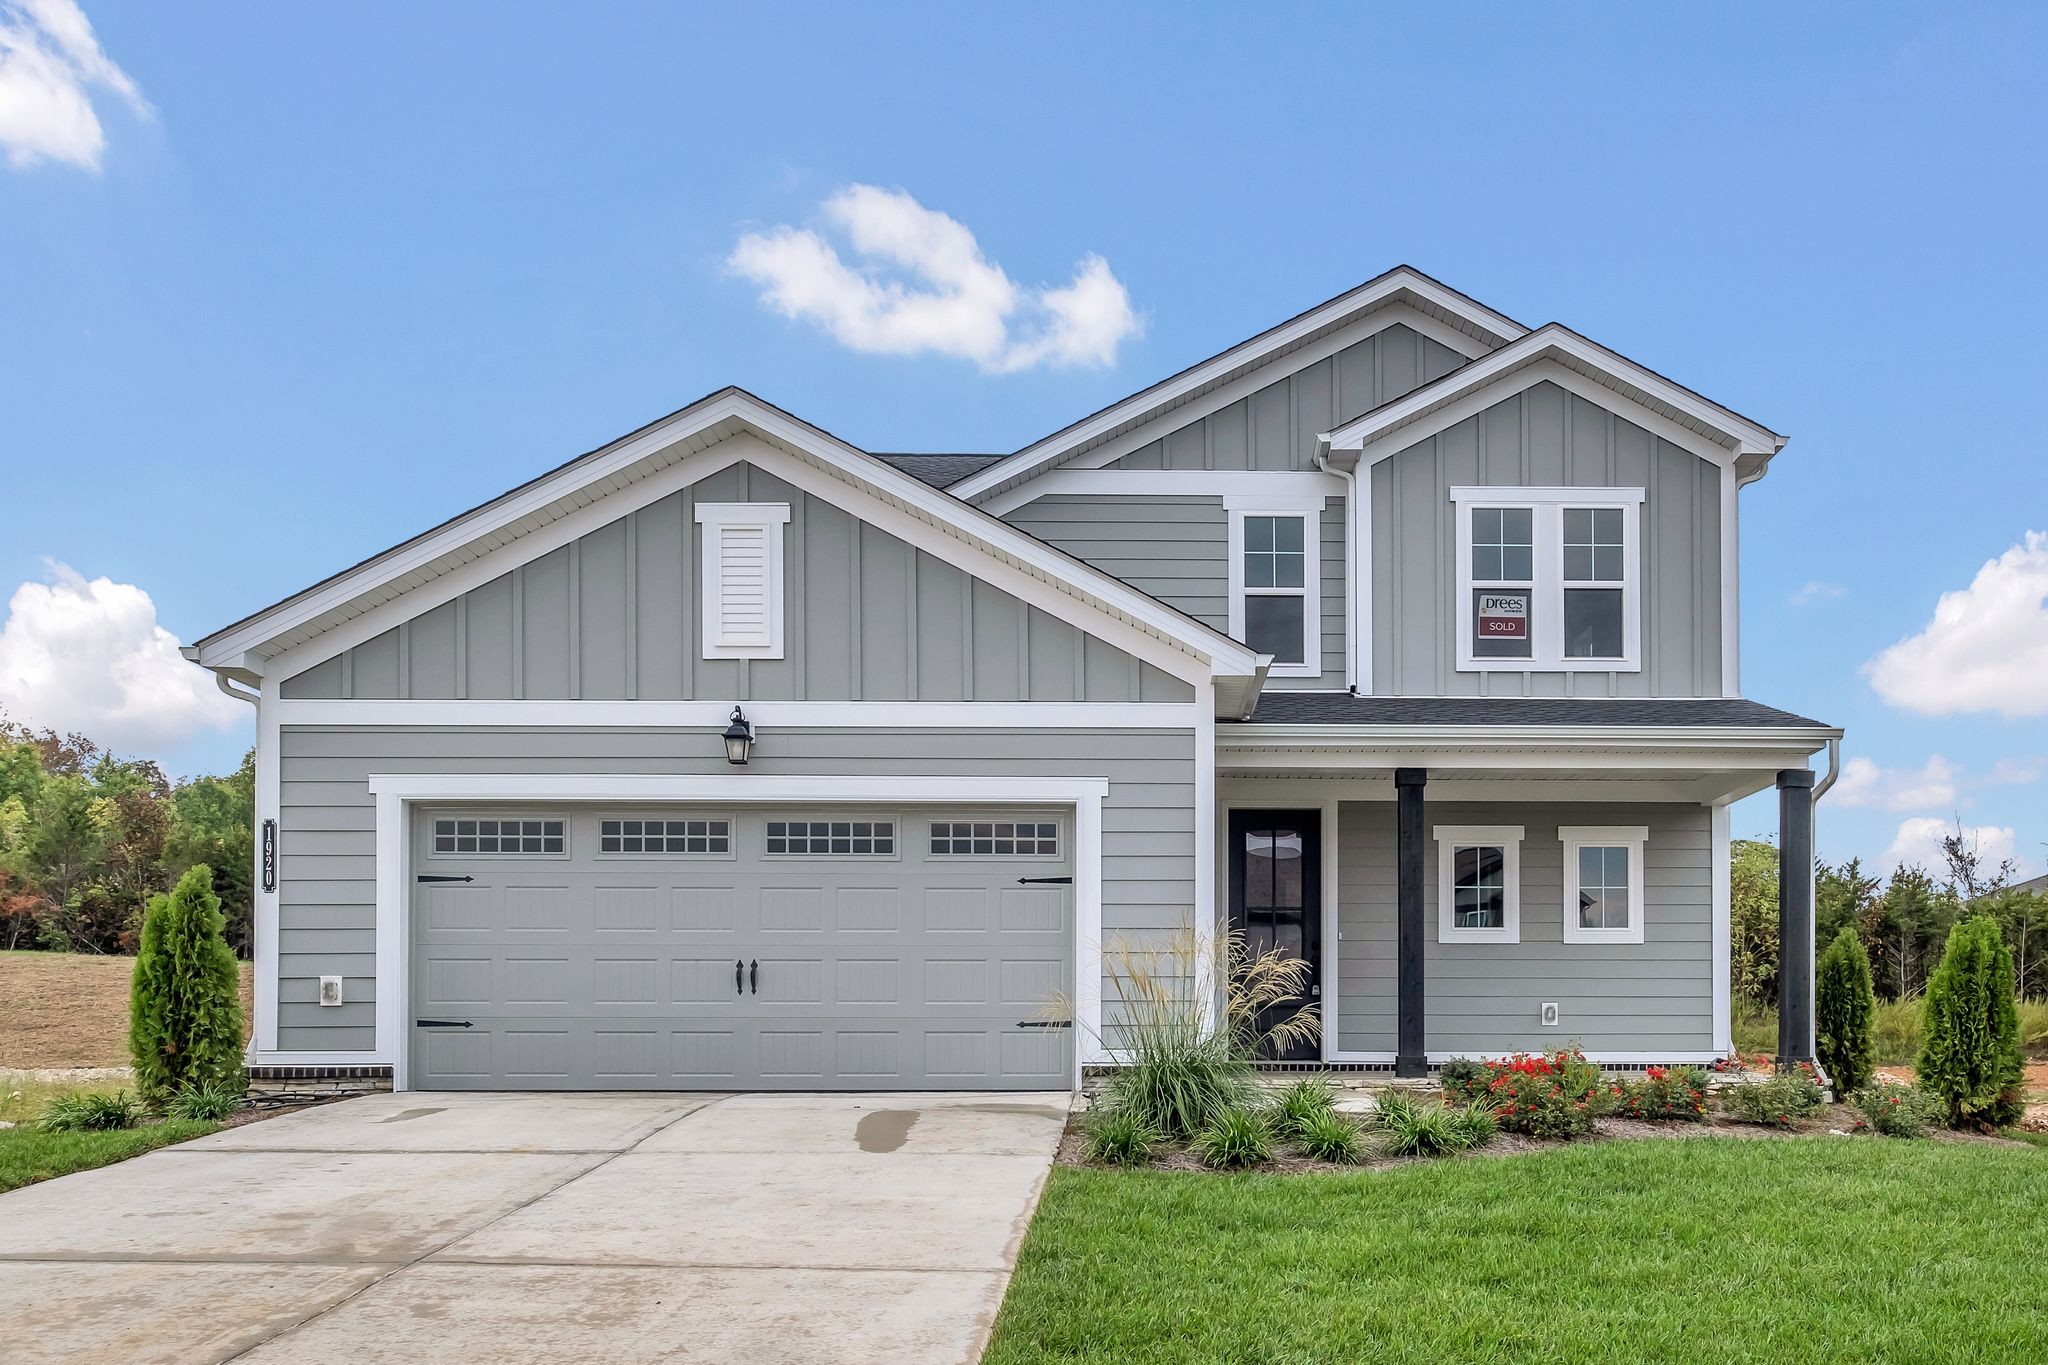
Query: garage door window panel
pixel 501 836
pixel 831 838
pixel 969 838
pixel 632 836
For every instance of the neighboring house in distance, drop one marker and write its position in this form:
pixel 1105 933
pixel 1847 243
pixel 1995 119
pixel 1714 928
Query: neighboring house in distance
pixel 1401 636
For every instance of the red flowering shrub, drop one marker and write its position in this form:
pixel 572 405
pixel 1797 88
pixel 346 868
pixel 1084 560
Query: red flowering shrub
pixel 1679 1092
pixel 1554 1094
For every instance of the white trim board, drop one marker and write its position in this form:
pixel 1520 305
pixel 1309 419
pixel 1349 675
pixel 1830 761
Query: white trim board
pixel 1548 350
pixel 767 716
pixel 395 793
pixel 1293 484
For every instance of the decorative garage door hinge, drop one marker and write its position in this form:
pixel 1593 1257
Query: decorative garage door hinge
pixel 444 1023
pixel 1045 881
pixel 430 877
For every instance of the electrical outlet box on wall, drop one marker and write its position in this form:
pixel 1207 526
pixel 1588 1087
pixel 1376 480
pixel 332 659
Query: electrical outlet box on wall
pixel 1549 1014
pixel 330 990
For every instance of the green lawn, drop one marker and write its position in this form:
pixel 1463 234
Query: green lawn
pixel 27 1156
pixel 1712 1250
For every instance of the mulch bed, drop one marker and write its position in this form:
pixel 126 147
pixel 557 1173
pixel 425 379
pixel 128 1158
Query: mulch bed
pixel 1829 1120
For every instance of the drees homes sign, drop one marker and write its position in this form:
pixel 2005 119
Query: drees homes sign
pixel 1502 614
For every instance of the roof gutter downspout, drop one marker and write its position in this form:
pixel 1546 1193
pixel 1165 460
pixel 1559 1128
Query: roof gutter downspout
pixel 1350 478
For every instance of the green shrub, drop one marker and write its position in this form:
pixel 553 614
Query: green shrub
pixel 1678 1092
pixel 96 1111
pixel 1550 1095
pixel 1476 1124
pixel 1462 1078
pixel 209 1101
pixel 185 1009
pixel 1412 1127
pixel 1970 1041
pixel 1301 1103
pixel 1785 1097
pixel 1330 1136
pixel 1119 1137
pixel 1235 1138
pixel 1844 1006
pixel 1896 1110
pixel 1179 1071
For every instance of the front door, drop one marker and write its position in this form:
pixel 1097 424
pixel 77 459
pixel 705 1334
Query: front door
pixel 1276 899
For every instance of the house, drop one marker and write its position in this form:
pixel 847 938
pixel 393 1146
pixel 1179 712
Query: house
pixel 731 756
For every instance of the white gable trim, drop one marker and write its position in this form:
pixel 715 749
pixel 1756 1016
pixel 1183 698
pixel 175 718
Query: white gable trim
pixel 1555 353
pixel 1419 295
pixel 977 543
pixel 1063 602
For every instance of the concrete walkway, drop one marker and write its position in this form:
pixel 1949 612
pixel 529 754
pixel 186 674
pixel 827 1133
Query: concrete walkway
pixel 611 1228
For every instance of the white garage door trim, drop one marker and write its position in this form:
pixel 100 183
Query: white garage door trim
pixel 396 792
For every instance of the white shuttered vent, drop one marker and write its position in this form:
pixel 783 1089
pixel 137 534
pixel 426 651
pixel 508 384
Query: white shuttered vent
pixel 742 571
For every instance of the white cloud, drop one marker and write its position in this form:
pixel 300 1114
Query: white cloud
pixel 1816 592
pixel 920 284
pixel 1986 648
pixel 1864 783
pixel 2016 772
pixel 90 657
pixel 1919 842
pixel 50 62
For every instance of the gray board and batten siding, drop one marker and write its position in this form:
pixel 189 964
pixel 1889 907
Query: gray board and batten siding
pixel 1176 547
pixel 1485 998
pixel 1545 436
pixel 327 820
pixel 615 616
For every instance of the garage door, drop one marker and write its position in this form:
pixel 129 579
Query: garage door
pixel 565 948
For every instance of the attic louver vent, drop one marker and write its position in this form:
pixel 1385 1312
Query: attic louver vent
pixel 742 569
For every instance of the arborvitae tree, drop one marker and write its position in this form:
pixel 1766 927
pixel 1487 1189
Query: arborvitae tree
pixel 185 1009
pixel 1844 1005
pixel 1970 1031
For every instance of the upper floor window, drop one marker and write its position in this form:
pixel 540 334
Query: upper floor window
pixel 1276 585
pixel 741 568
pixel 1547 578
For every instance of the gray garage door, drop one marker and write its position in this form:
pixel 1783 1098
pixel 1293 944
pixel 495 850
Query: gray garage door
pixel 570 948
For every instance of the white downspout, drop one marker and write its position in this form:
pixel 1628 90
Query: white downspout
pixel 1350 478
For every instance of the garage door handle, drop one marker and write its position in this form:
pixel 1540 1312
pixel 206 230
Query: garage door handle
pixel 739 976
pixel 754 975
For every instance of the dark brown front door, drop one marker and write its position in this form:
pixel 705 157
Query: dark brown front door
pixel 1276 900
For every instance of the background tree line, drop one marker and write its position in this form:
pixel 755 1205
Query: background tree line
pixel 1902 921
pixel 87 838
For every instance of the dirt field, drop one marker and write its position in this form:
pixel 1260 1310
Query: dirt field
pixel 70 1009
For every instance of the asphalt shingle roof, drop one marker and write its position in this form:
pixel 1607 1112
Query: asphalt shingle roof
pixel 940 470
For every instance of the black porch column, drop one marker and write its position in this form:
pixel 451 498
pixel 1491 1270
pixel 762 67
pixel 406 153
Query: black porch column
pixel 1795 916
pixel 1409 1058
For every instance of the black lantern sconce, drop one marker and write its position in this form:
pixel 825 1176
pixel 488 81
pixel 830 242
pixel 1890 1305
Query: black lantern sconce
pixel 739 739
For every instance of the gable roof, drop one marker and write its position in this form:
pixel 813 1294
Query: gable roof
pixel 1750 444
pixel 938 470
pixel 1401 285
pixel 241 649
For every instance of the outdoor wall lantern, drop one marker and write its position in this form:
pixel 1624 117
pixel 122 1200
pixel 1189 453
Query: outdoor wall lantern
pixel 739 738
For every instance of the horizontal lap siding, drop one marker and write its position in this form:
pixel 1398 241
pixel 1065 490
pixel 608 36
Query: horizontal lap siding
pixel 327 863
pixel 617 615
pixel 1483 998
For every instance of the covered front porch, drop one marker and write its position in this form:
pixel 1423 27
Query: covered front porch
pixel 1517 879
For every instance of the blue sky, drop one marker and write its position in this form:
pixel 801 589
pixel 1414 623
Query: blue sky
pixel 325 275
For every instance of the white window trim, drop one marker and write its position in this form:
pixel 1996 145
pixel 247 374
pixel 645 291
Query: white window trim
pixel 1311 513
pixel 1547 504
pixel 1630 837
pixel 770 518
pixel 1449 839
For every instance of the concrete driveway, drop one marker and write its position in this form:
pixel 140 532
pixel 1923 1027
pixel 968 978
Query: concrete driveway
pixel 613 1228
